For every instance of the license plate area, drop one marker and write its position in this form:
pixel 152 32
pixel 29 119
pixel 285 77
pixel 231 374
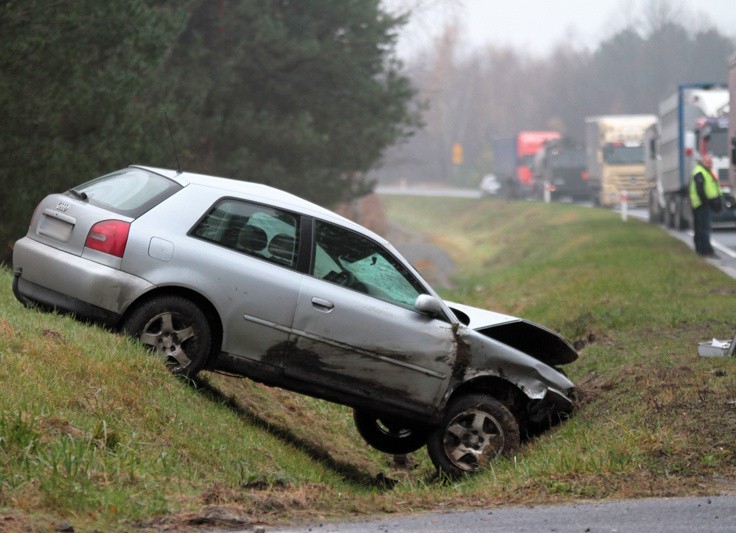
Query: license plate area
pixel 55 227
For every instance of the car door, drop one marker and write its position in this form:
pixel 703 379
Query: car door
pixel 356 330
pixel 252 275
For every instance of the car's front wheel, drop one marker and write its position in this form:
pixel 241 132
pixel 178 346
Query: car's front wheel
pixel 174 328
pixel 476 429
pixel 389 435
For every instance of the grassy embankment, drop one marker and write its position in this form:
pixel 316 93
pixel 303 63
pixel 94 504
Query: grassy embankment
pixel 95 434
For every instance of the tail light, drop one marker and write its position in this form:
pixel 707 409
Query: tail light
pixel 585 175
pixel 109 236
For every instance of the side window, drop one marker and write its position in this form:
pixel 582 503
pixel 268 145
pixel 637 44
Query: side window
pixel 256 230
pixel 356 262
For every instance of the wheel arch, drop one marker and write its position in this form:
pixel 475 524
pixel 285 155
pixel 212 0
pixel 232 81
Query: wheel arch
pixel 209 310
pixel 499 388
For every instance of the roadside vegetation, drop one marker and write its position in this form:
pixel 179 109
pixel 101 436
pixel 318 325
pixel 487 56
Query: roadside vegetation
pixel 95 434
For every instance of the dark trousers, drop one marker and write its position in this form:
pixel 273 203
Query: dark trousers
pixel 701 229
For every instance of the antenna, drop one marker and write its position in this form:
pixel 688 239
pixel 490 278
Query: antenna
pixel 171 136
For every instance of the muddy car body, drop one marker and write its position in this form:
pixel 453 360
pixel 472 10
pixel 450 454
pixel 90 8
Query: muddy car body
pixel 225 275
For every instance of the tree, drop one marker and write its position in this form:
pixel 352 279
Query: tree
pixel 300 95
pixel 499 91
pixel 619 73
pixel 69 76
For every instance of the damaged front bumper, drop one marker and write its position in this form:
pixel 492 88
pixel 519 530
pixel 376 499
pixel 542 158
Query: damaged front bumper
pixel 525 355
pixel 553 404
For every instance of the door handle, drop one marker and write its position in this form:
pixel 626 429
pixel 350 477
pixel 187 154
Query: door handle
pixel 322 305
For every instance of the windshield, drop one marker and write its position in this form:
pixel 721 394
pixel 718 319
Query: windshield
pixel 623 153
pixel 527 161
pixel 568 159
pixel 717 144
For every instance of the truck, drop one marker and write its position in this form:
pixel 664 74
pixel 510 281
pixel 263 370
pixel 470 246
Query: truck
pixel 513 158
pixel 560 171
pixel 692 121
pixel 614 146
pixel 732 118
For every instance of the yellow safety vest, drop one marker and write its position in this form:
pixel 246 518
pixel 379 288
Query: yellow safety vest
pixel 710 186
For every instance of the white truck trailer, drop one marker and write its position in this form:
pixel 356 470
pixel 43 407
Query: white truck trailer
pixel 692 121
pixel 732 118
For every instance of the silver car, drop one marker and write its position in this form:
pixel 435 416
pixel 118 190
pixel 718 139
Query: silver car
pixel 225 275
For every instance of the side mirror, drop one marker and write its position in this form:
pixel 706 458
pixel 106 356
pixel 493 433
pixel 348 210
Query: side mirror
pixel 428 305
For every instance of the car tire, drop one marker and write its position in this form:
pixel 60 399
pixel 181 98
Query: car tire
pixel 475 430
pixel 389 435
pixel 174 328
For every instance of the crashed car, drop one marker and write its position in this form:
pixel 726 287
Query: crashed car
pixel 225 275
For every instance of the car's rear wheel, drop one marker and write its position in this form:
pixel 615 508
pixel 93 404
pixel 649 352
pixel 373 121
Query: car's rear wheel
pixel 476 429
pixel 174 328
pixel 389 435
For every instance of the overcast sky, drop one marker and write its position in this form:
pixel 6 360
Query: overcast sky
pixel 537 26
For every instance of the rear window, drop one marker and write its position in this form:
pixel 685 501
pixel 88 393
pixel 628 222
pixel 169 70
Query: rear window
pixel 129 192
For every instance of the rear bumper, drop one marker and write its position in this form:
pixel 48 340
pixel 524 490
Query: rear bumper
pixel 30 293
pixel 569 186
pixel 70 283
pixel 572 191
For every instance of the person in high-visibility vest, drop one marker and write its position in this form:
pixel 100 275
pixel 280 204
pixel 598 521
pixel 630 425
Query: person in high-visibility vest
pixel 705 197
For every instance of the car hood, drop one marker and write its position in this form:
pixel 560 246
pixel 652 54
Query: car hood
pixel 537 341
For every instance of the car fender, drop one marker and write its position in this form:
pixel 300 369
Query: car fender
pixel 485 356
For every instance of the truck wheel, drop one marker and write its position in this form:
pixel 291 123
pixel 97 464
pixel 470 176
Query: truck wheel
pixel 475 430
pixel 680 222
pixel 389 435
pixel 175 329
pixel 669 218
pixel 655 214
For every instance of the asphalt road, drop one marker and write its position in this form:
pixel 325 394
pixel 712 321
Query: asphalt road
pixel 657 515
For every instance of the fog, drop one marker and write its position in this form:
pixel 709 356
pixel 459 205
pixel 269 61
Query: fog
pixel 538 26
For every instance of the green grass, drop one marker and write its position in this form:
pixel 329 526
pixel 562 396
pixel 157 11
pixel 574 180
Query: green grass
pixel 96 433
pixel 639 301
pixel 94 429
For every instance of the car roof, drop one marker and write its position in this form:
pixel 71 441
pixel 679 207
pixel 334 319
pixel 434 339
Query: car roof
pixel 264 193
